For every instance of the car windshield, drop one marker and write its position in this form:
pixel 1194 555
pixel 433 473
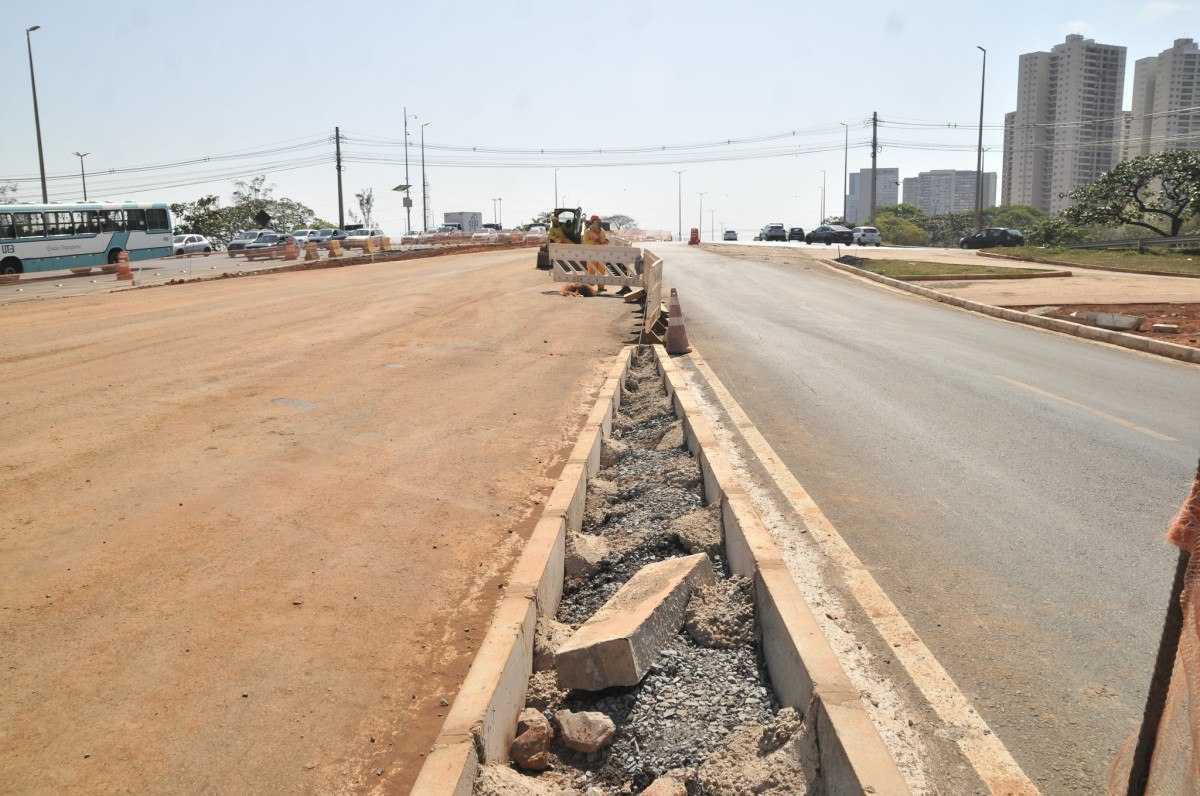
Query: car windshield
pixel 245 236
pixel 869 229
pixel 180 238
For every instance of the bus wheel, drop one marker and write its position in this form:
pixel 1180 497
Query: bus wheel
pixel 112 256
pixel 11 266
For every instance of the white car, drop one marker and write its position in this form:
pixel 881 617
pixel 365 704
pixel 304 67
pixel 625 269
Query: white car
pixel 486 235
pixel 303 236
pixel 866 236
pixel 359 237
pixel 192 244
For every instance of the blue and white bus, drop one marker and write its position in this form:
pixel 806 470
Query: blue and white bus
pixel 35 237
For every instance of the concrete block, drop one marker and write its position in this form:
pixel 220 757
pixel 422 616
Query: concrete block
pixel 569 495
pixel 448 771
pixel 619 644
pixel 853 759
pixel 539 571
pixel 587 448
pixel 1168 328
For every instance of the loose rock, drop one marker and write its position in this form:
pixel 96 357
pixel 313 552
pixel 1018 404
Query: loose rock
pixel 586 731
pixel 547 638
pixel 531 748
pixel 584 554
pixel 665 786
pixel 721 614
pixel 700 531
pixel 672 438
pixel 612 450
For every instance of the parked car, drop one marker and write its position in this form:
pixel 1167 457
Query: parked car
pixel 866 236
pixel 774 232
pixel 830 233
pixel 992 236
pixel 303 236
pixel 322 236
pixel 191 244
pixel 485 235
pixel 246 237
pixel 796 233
pixel 266 240
pixel 359 237
pixel 730 234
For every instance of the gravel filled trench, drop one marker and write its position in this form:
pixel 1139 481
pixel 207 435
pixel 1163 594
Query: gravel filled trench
pixel 692 713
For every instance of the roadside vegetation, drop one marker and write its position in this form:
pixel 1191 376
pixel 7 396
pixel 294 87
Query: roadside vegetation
pixel 1152 260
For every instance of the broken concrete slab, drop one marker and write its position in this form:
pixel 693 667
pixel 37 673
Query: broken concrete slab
pixel 620 643
pixel 584 554
pixel 1168 328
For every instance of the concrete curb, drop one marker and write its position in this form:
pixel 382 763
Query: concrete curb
pixel 1181 353
pixel 1042 274
pixel 479 727
pixel 1113 268
pixel 804 669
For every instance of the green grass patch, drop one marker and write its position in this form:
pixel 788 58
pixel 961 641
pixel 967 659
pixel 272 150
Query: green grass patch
pixel 907 269
pixel 1123 259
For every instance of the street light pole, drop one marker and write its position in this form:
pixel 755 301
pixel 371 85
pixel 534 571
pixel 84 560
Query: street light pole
pixel 37 120
pixel 712 225
pixel 979 159
pixel 679 174
pixel 700 225
pixel 824 183
pixel 845 173
pixel 555 188
pixel 424 182
pixel 82 176
pixel 407 181
pixel 500 211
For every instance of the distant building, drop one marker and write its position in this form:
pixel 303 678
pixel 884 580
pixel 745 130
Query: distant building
pixel 858 201
pixel 948 191
pixel 464 220
pixel 1067 127
pixel 1010 120
pixel 1130 142
pixel 1162 86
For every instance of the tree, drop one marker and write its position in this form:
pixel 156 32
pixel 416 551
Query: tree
pixel 899 230
pixel 1022 217
pixel 202 217
pixel 619 221
pixel 1155 192
pixel 1053 231
pixel 366 205
pixel 903 210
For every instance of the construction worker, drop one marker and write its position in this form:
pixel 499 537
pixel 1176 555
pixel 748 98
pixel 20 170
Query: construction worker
pixel 594 236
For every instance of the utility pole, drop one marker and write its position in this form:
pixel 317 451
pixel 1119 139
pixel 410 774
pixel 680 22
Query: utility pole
pixel 500 211
pixel 555 188
pixel 846 173
pixel 424 183
pixel 82 176
pixel 37 119
pixel 679 174
pixel 407 182
pixel 824 183
pixel 700 225
pixel 337 149
pixel 979 158
pixel 874 155
pixel 712 225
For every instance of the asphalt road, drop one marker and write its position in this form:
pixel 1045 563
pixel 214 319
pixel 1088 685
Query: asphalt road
pixel 1009 487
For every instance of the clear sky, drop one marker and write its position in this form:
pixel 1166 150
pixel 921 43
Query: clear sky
pixel 140 84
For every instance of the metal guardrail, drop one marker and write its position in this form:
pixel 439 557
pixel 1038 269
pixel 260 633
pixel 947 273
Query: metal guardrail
pixel 1138 243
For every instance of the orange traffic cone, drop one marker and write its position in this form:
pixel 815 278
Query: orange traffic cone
pixel 124 272
pixel 677 341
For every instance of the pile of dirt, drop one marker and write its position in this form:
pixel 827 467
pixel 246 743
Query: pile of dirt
pixel 779 757
pixel 1185 316
pixel 721 615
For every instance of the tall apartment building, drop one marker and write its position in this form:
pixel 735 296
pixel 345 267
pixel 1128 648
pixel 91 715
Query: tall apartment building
pixel 1163 85
pixel 858 201
pixel 1010 121
pixel 945 191
pixel 1066 130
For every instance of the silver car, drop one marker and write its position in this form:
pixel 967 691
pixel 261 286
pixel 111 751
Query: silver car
pixel 866 236
pixel 192 244
pixel 303 236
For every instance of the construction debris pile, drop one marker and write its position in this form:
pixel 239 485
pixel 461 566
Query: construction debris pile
pixel 651 679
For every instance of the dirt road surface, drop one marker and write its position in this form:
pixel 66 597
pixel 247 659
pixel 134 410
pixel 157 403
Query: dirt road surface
pixel 252 530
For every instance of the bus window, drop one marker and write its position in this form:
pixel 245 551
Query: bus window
pixel 58 224
pixel 29 225
pixel 112 220
pixel 91 223
pixel 135 219
pixel 156 220
pixel 6 226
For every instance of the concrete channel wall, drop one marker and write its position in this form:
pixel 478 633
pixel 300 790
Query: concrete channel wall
pixel 803 668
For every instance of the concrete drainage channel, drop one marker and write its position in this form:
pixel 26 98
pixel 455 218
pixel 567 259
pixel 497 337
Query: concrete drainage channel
pixel 651 638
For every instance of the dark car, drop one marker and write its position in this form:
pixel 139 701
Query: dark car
pixel 730 234
pixel 992 236
pixel 830 233
pixel 796 233
pixel 774 232
pixel 245 238
pixel 267 240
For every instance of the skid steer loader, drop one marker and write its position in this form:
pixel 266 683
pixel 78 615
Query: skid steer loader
pixel 566 226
